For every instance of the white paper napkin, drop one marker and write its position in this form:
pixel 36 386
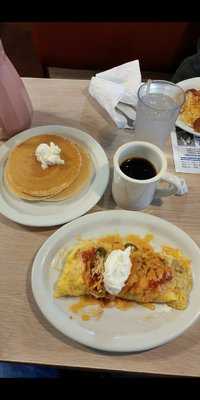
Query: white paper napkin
pixel 118 84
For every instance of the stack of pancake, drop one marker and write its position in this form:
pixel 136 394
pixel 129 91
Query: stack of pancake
pixel 26 179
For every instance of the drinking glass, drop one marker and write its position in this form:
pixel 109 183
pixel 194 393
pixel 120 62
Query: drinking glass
pixel 159 103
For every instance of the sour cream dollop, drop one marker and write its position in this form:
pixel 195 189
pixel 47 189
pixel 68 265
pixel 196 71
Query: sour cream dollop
pixel 117 269
pixel 48 155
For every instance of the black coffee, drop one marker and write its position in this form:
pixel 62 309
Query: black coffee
pixel 138 168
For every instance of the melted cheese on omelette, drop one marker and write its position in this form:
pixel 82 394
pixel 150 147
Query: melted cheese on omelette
pixel 191 109
pixel 155 277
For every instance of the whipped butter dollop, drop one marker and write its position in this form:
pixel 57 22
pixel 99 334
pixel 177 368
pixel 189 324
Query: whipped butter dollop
pixel 117 269
pixel 48 154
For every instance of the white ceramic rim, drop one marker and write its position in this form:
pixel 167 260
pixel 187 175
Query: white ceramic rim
pixel 81 335
pixel 94 192
pixel 161 82
pixel 192 83
pixel 147 145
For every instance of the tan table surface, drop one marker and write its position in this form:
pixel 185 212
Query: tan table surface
pixel 25 335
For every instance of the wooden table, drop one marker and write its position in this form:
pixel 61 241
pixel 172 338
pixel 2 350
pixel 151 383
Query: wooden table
pixel 25 335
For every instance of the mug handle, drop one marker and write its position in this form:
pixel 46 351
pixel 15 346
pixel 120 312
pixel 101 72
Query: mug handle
pixel 176 186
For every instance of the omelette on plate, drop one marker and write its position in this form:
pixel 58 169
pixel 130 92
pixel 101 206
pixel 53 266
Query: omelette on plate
pixel 190 113
pixel 126 267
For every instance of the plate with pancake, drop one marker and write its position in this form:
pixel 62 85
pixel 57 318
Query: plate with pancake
pixel 189 117
pixel 160 298
pixel 36 196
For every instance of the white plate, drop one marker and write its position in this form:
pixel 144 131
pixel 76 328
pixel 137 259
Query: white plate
pixel 193 83
pixel 50 214
pixel 135 329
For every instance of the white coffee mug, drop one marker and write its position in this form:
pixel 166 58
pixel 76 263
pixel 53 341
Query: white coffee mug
pixel 135 194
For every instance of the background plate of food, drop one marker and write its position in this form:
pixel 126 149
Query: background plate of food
pixel 189 118
pixel 152 302
pixel 50 175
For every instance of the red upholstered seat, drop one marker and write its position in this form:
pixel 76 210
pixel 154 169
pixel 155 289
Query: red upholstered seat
pixel 160 46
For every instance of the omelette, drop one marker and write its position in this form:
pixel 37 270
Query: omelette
pixel 190 112
pixel 155 277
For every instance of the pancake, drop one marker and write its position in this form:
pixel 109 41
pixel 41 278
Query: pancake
pixel 17 193
pixel 25 175
pixel 83 179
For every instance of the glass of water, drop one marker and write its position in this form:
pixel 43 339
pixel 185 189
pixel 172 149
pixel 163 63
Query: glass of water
pixel 159 103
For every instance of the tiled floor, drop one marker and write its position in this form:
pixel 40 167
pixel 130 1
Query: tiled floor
pixel 18 370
